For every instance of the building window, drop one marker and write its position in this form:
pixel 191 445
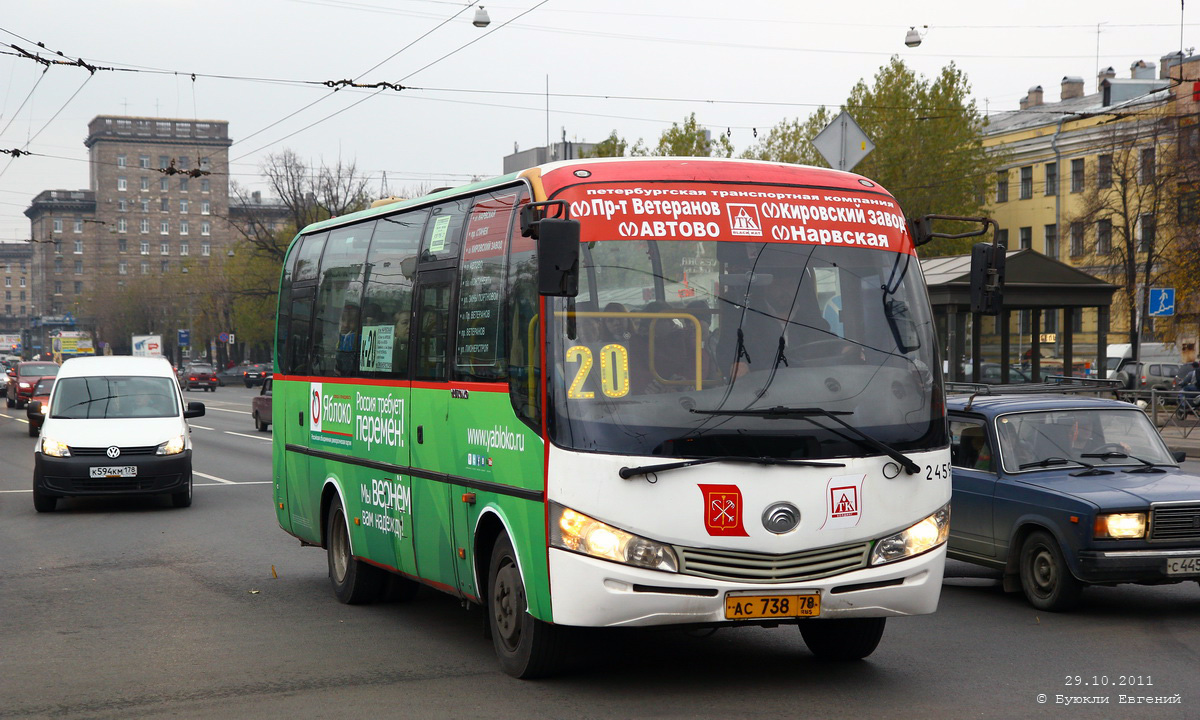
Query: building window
pixel 145 206
pixel 206 228
pixel 122 268
pixel 204 185
pixel 22 296
pixel 22 282
pixel 183 249
pixel 183 184
pixel 58 287
pixel 122 225
pixel 57 225
pixel 205 208
pixel 1051 178
pixel 122 205
pixel 163 162
pixel 78 267
pixel 1026 182
pixel 143 161
pixel 1077 175
pixel 164 227
pixel 57 264
pixel 164 204
pixel 165 264
pixel 1002 186
pixel 1026 238
pixel 1104 171
pixel 1103 237
pixel 183 227
pixel 78 287
pixel 183 205
pixel 205 249
pixel 162 127
pixel 145 228
pixel 122 245
pixel 203 163
pixel 121 161
pixel 164 248
pixel 122 184
pixel 1051 240
pixel 162 184
pixel 1146 227
pixel 145 183
pixel 1147 168
pixel 145 247
pixel 79 246
pixel 1076 239
pixel 145 267
pixel 77 226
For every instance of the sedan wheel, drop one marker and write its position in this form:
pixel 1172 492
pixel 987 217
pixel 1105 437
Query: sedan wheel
pixel 1045 578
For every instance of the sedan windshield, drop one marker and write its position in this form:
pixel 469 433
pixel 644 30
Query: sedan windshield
pixel 114 397
pixel 1081 436
pixel 703 348
pixel 36 369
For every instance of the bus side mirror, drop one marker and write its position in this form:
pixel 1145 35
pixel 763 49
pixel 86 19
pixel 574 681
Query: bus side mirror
pixel 987 278
pixel 557 247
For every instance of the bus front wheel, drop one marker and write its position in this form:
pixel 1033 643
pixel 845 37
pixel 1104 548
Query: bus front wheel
pixel 526 646
pixel 849 639
pixel 354 582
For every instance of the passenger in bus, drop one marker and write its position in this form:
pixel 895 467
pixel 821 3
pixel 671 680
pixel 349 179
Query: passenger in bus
pixel 400 324
pixel 664 348
pixel 347 348
pixel 710 370
pixel 616 329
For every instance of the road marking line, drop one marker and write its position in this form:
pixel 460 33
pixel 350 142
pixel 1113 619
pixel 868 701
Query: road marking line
pixel 213 477
pixel 256 437
pixel 223 483
pixel 240 412
pixel 200 427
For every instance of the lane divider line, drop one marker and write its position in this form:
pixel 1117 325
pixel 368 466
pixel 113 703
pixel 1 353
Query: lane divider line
pixel 213 477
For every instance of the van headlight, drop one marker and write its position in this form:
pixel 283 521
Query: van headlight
pixel 916 539
pixel 174 446
pixel 579 533
pixel 54 448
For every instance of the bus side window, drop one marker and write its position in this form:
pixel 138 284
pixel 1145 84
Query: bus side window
pixel 521 325
pixel 388 294
pixel 479 351
pixel 295 304
pixel 433 325
pixel 336 322
pixel 443 233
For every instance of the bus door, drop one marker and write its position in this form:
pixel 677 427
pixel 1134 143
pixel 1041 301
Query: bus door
pixel 295 418
pixel 431 444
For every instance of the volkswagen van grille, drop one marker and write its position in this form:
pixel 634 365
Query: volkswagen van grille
pixel 1175 522
pixel 138 450
pixel 741 566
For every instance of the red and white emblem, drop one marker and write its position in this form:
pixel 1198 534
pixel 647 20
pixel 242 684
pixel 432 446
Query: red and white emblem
pixel 843 501
pixel 723 510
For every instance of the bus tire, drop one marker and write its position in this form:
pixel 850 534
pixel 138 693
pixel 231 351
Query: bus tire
pixel 354 581
pixel 849 639
pixel 527 647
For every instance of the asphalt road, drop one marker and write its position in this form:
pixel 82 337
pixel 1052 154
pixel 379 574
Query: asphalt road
pixel 119 608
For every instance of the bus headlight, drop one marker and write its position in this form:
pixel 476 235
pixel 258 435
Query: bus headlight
pixel 577 532
pixel 1120 526
pixel 919 538
pixel 54 448
pixel 174 446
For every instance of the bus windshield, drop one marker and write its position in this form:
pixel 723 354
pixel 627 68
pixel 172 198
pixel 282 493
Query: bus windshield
pixel 670 342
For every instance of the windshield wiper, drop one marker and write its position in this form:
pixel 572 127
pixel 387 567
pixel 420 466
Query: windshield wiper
pixel 628 472
pixel 780 411
pixel 1044 462
pixel 1147 466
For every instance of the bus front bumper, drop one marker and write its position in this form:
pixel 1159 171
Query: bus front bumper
pixel 596 593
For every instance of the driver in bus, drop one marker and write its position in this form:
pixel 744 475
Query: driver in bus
pixel 777 310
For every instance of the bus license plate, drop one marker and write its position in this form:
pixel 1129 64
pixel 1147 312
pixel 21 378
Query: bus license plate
pixel 109 472
pixel 1183 566
pixel 749 607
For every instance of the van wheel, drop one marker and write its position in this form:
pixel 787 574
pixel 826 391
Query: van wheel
pixel 1045 578
pixel 849 639
pixel 183 498
pixel 526 646
pixel 354 581
pixel 42 502
pixel 33 431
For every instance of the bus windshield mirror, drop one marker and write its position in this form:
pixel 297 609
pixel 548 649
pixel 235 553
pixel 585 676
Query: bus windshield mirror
pixel 628 472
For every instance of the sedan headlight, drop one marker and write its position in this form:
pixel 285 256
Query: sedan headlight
pixel 54 448
pixel 24 386
pixel 174 446
pixel 1120 526
pixel 918 538
pixel 575 531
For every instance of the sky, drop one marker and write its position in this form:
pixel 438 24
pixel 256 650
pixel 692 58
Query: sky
pixel 542 69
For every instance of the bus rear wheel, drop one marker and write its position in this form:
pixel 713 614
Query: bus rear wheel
pixel 354 581
pixel 849 639
pixel 526 646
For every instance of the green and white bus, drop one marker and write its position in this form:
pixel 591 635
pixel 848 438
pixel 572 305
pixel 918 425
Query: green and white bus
pixel 620 392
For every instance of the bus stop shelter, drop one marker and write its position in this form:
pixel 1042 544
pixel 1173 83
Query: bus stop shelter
pixel 1033 282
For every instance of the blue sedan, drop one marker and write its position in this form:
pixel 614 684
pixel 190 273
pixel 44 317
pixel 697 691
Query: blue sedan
pixel 1061 492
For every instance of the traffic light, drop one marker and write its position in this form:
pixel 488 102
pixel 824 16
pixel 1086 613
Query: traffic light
pixel 987 278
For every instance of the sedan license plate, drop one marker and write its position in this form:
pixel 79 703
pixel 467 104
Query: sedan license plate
pixel 111 472
pixel 750 607
pixel 1183 566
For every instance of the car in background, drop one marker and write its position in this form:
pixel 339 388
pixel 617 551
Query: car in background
pixel 23 376
pixel 255 373
pixel 117 425
pixel 1060 492
pixel 989 374
pixel 1139 375
pixel 198 375
pixel 232 375
pixel 35 412
pixel 260 406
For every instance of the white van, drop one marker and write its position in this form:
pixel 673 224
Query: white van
pixel 115 426
pixel 1119 354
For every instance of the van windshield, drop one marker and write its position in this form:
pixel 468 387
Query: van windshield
pixel 114 397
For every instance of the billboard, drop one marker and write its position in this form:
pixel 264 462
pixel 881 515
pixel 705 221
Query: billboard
pixel 147 345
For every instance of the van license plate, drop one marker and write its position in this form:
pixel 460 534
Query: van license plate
pixel 748 607
pixel 110 472
pixel 1183 566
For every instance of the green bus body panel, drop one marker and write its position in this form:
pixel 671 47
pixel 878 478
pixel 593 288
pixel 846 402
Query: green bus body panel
pixel 414 522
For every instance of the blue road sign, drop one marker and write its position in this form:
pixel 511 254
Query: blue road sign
pixel 185 338
pixel 1162 302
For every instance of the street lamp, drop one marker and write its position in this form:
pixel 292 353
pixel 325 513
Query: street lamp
pixel 481 18
pixel 913 37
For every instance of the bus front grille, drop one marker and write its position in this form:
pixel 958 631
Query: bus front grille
pixel 741 566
